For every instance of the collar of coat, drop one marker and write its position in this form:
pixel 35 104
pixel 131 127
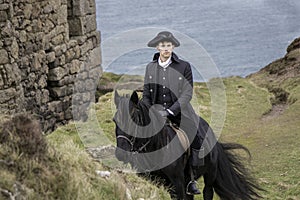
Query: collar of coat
pixel 174 57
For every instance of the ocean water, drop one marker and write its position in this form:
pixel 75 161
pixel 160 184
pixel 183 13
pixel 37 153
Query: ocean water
pixel 240 36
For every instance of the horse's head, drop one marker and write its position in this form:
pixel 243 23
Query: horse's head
pixel 136 126
pixel 126 107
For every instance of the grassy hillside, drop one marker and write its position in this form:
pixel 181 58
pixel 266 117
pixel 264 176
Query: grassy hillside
pixel 36 167
pixel 262 113
pixel 272 140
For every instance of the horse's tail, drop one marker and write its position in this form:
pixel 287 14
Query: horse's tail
pixel 233 179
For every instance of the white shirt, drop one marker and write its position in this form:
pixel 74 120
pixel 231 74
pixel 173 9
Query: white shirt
pixel 166 63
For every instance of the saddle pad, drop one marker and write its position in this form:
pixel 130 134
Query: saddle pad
pixel 184 140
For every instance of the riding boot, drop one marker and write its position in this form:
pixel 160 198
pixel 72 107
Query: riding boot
pixel 191 188
pixel 196 161
pixel 197 157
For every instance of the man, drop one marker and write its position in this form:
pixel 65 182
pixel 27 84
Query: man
pixel 169 83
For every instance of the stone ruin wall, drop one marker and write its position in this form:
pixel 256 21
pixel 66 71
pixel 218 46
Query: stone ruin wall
pixel 49 50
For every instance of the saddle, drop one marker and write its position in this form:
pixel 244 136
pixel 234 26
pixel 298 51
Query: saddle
pixel 184 140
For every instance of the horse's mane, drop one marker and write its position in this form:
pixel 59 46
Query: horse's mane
pixel 139 115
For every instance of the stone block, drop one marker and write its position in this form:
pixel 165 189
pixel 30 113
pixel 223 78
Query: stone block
pixel 96 37
pixel 36 62
pixel 42 82
pixel 76 26
pixel 4 6
pixel 75 66
pixel 45 96
pixel 3 16
pixel 22 36
pixel 27 10
pixel 36 25
pixel 88 45
pixel 36 10
pixel 79 86
pixel 59 50
pixel 13 73
pixel 57 40
pixel 48 9
pixel 14 50
pixel 82 76
pixel 80 7
pixel 68 114
pixel 95 72
pixel 91 24
pixel 50 57
pixel 4 59
pixel 70 54
pixel 91 84
pixel 71 44
pixel 57 92
pixel 7 30
pixel 55 106
pixel 7 94
pixel 8 41
pixel 86 97
pixel 62 14
pixel 94 57
pixel 56 74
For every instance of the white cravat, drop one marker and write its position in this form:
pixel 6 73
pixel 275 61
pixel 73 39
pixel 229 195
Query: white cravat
pixel 166 63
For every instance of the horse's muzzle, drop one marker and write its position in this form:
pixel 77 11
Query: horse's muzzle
pixel 122 155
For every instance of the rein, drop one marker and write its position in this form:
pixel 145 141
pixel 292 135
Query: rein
pixel 124 137
pixel 131 143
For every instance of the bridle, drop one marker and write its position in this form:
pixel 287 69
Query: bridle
pixel 132 142
pixel 126 139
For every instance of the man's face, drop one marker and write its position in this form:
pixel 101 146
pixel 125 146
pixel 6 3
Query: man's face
pixel 165 49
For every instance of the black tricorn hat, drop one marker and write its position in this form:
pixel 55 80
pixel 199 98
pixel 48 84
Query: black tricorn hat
pixel 164 36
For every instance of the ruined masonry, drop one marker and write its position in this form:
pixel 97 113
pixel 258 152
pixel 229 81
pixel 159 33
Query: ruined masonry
pixel 49 58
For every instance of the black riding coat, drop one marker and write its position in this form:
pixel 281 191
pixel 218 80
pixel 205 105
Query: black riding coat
pixel 180 82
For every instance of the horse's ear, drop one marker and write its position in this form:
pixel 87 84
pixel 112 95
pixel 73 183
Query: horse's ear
pixel 134 97
pixel 116 98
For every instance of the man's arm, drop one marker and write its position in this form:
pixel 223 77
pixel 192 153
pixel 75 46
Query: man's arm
pixel 146 91
pixel 186 92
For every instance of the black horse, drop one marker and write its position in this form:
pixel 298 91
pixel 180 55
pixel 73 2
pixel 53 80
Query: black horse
pixel 161 155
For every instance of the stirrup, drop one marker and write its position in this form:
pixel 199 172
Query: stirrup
pixel 187 189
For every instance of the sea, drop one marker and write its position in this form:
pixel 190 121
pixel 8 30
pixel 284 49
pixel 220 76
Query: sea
pixel 235 37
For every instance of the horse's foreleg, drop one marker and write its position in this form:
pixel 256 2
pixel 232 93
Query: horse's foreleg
pixel 178 183
pixel 180 190
pixel 208 191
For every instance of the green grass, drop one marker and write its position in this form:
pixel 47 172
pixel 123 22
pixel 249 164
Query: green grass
pixel 69 171
pixel 273 143
pixel 65 172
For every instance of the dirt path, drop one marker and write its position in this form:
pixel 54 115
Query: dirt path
pixel 276 111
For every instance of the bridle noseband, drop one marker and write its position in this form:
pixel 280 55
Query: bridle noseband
pixel 132 142
pixel 128 140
